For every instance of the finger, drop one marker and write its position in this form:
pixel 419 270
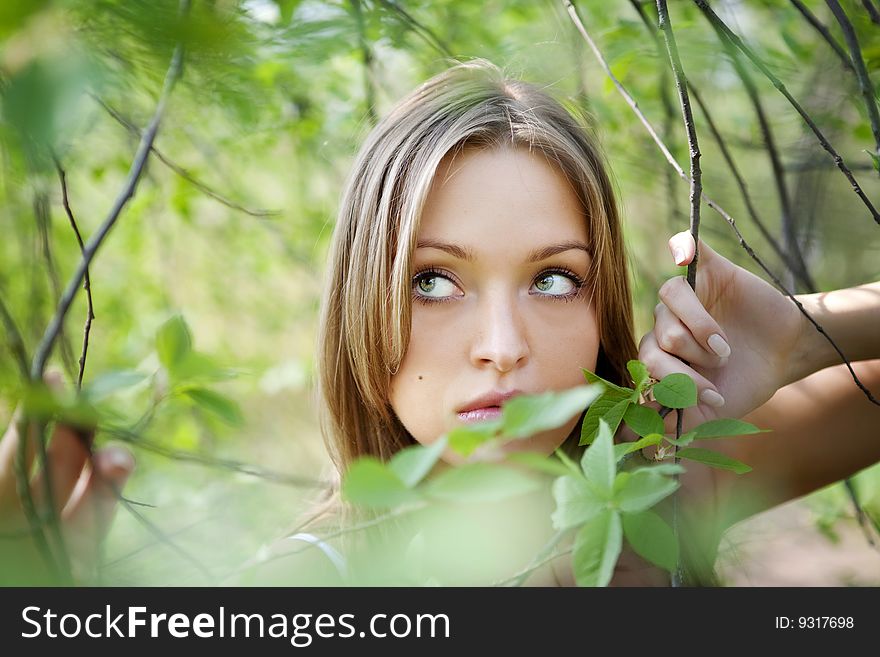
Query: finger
pixel 682 248
pixel 10 445
pixel 661 364
pixel 66 455
pixel 679 298
pixel 9 450
pixel 675 338
pixel 92 504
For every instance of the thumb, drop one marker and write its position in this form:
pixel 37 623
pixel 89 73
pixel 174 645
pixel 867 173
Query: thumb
pixel 93 504
pixel 683 249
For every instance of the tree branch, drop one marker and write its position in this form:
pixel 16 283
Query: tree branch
pixel 179 170
pixel 134 438
pixel 820 27
pixel 792 248
pixel 865 85
pixel 696 177
pixel 838 160
pixel 572 10
pixel 725 153
pixel 42 220
pixel 367 54
pixel 91 248
pixel 429 37
pixel 16 344
pixel 872 11
pixel 87 285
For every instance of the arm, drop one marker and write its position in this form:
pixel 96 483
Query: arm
pixel 780 374
pixel 822 429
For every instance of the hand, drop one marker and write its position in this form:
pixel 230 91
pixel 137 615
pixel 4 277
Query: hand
pixel 739 335
pixel 85 491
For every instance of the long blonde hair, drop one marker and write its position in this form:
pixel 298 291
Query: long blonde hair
pixel 365 314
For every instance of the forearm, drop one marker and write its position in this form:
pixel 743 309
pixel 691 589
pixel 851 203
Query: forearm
pixel 851 317
pixel 822 429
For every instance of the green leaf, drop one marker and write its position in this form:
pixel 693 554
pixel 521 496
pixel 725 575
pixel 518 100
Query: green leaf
pixel 466 438
pixel 173 342
pixel 644 420
pixel 480 482
pixel 622 449
pixel 576 502
pixel 540 463
pixel 596 549
pixel 609 408
pixel 716 460
pixel 527 415
pixel 213 402
pixel 371 483
pixel 598 461
pixel 106 384
pixel 676 391
pixel 723 427
pixel 411 464
pixel 638 491
pixel 195 366
pixel 875 160
pixel 683 440
pixel 651 538
pixel 612 387
pixel 639 373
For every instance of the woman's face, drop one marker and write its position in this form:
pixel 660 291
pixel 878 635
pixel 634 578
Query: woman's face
pixel 500 293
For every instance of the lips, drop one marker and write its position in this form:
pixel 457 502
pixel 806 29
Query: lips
pixel 487 406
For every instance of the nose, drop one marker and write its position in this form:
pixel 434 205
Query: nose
pixel 500 339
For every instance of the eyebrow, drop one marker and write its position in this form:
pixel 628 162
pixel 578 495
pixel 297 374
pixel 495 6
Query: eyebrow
pixel 536 255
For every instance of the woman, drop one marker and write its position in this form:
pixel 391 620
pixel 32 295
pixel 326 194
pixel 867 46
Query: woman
pixel 478 254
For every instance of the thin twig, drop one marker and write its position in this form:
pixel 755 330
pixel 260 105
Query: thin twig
pixel 23 488
pixel 545 555
pixel 865 85
pixel 164 538
pixel 820 27
pixel 725 151
pixel 42 220
pixel 135 439
pixel 53 330
pixel 367 54
pixel 367 524
pixel 668 112
pixel 794 258
pixel 695 197
pixel 838 160
pixel 572 10
pixel 16 344
pixel 872 11
pixel 94 243
pixel 420 29
pixel 179 170
pixel 87 285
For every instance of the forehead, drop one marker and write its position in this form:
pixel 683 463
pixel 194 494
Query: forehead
pixel 501 196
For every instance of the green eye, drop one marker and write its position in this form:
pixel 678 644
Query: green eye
pixel 545 284
pixel 547 287
pixel 433 286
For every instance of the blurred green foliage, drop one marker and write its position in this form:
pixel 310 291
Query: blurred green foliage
pixel 206 292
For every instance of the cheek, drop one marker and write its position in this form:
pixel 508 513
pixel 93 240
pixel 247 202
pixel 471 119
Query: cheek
pixel 424 377
pixel 565 342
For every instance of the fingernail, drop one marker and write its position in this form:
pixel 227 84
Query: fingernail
pixel 718 345
pixel 712 398
pixel 678 256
